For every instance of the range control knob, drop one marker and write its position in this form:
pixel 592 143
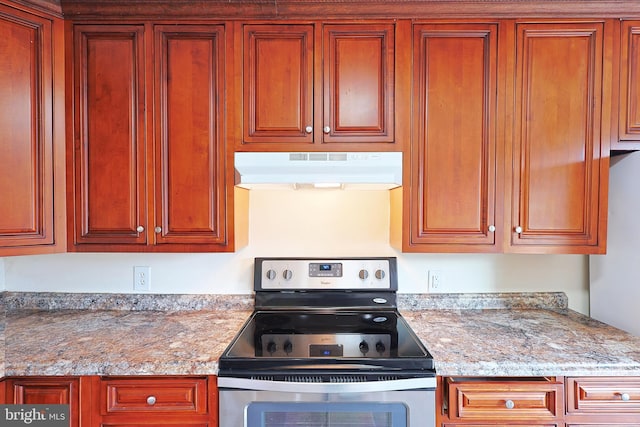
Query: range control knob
pixel 380 274
pixel 364 347
pixel 380 347
pixel 271 274
pixel 272 347
pixel 287 274
pixel 363 274
pixel 287 347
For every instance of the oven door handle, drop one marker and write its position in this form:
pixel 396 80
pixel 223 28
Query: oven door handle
pixel 311 387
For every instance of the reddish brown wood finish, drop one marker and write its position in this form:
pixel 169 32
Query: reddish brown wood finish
pixel 598 401
pixel 629 112
pixel 110 143
pixel 150 164
pixel 179 400
pixel 358 96
pixel 347 9
pixel 488 401
pixel 46 390
pixel 308 84
pixel 485 402
pixel 452 195
pixel 31 163
pixel 561 136
pixel 278 84
pixel 190 129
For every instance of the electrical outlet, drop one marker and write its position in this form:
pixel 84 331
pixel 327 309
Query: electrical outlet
pixel 436 281
pixel 142 278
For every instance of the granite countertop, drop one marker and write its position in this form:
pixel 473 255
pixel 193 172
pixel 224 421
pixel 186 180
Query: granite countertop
pixel 496 335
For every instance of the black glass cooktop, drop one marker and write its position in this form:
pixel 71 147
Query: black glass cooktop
pixel 326 340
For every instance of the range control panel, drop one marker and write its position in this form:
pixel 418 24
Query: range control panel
pixel 326 345
pixel 325 274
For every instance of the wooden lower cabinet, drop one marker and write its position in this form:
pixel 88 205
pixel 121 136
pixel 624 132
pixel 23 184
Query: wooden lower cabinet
pixel 46 390
pixel 126 401
pixel 603 401
pixel 486 401
pixel 154 401
pixel 538 402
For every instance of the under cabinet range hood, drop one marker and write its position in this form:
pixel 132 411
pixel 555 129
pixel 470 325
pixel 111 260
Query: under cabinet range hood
pixel 361 170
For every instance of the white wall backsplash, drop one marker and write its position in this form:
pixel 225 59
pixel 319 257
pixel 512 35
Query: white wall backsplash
pixel 301 223
pixel 3 285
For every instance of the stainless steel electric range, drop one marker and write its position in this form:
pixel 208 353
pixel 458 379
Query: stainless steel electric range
pixel 326 347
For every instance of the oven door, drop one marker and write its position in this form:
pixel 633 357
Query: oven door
pixel 396 403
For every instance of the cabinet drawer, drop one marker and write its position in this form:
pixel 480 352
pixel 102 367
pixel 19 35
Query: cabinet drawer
pixel 603 394
pixel 519 425
pixel 504 399
pixel 184 395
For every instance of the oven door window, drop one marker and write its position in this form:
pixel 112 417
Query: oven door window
pixel 329 414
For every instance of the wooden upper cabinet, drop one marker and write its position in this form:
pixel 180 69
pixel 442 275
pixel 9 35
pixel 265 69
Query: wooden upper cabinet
pixel 560 146
pixel 149 139
pixel 189 134
pixel 278 83
pixel 109 136
pixel 452 192
pixel 31 148
pixel 307 85
pixel 629 99
pixel 358 84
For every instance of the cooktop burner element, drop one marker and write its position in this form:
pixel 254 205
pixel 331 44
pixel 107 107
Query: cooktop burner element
pixel 326 316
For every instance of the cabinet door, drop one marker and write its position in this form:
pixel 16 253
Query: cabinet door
pixel 629 118
pixel 109 135
pixel 560 153
pixel 55 391
pixel 26 131
pixel 189 139
pixel 358 92
pixel 278 84
pixel 453 152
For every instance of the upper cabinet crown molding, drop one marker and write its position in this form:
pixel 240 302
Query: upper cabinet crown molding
pixel 329 9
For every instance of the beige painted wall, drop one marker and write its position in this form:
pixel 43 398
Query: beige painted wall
pixel 302 223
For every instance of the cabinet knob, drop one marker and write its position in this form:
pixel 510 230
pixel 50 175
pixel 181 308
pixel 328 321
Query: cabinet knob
pixel 158 229
pixel 308 129
pixel 509 404
pixel 518 229
pixel 151 400
pixel 492 228
pixel 326 129
pixel 140 229
pixel 625 397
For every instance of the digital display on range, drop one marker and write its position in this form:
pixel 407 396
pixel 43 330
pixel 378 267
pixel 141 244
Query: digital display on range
pixel 325 269
pixel 325 350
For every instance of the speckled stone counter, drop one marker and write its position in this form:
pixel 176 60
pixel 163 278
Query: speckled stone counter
pixel 530 342
pixel 481 334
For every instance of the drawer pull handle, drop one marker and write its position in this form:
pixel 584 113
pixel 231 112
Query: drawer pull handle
pixel 509 404
pixel 625 397
pixel 151 400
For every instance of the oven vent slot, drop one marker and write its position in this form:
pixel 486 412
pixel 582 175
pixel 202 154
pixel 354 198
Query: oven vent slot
pixel 388 378
pixel 302 379
pixel 348 379
pixel 330 379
